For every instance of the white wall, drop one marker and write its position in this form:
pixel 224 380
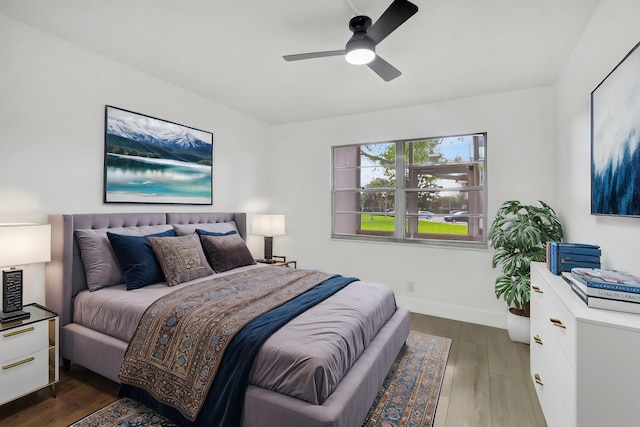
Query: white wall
pixel 449 282
pixel 52 98
pixel 609 36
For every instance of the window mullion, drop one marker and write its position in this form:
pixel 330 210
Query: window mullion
pixel 400 194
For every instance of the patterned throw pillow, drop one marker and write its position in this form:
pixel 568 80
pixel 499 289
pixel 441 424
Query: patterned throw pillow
pixel 181 258
pixel 226 252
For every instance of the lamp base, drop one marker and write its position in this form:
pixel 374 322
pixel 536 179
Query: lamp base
pixel 13 316
pixel 268 247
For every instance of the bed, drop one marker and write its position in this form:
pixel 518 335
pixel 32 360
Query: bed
pixel 341 401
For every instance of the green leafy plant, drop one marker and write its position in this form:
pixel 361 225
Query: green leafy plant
pixel 519 234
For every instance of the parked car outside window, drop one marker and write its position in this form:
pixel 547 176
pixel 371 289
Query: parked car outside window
pixel 457 216
pixel 425 215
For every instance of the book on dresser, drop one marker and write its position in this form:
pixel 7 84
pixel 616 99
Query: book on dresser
pixel 571 257
pixel 607 299
pixel 607 304
pixel 579 248
pixel 599 292
pixel 564 256
pixel 612 280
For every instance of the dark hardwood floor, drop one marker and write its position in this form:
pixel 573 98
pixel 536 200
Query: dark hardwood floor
pixel 79 393
pixel 486 384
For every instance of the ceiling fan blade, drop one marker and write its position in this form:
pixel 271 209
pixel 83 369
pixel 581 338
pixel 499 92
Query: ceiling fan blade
pixel 311 55
pixel 382 68
pixel 395 15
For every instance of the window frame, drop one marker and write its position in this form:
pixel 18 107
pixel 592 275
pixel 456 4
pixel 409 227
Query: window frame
pixel 400 195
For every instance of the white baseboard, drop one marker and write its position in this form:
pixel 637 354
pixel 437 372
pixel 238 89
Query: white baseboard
pixel 461 313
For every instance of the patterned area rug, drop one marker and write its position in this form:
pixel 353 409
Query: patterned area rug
pixel 408 397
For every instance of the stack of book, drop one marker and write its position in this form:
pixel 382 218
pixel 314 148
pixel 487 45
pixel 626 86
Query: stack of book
pixel 608 289
pixel 562 256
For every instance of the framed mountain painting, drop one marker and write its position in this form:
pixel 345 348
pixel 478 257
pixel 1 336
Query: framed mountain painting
pixel 615 140
pixel 149 160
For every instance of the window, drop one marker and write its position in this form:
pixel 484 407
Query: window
pixel 422 190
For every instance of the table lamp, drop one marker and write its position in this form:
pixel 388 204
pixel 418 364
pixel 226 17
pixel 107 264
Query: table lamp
pixel 20 244
pixel 268 225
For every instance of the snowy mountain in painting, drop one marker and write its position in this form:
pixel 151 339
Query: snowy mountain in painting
pixel 146 129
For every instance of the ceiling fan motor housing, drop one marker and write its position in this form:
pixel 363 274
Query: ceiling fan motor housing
pixel 360 23
pixel 360 49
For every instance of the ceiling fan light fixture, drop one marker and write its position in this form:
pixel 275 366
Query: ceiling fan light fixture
pixel 360 56
pixel 360 51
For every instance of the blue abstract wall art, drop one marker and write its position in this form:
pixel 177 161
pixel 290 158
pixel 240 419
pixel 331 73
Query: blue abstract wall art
pixel 615 140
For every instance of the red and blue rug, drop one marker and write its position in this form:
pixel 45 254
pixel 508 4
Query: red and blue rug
pixel 408 397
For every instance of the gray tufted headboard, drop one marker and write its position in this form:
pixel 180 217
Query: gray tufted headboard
pixel 65 275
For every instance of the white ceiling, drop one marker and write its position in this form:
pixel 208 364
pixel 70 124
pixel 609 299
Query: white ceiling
pixel 231 51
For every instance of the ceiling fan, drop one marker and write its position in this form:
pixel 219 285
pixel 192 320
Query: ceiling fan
pixel 360 48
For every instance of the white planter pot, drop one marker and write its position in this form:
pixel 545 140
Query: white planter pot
pixel 518 328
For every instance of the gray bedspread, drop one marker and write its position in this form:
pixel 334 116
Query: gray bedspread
pixel 306 359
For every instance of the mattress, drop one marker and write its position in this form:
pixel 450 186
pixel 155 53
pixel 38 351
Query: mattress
pixel 306 359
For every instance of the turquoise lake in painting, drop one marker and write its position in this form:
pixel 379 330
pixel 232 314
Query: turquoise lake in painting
pixel 147 180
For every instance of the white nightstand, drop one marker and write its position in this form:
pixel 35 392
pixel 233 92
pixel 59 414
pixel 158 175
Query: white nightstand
pixel 29 354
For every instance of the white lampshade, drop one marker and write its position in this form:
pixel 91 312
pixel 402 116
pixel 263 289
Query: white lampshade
pixel 268 225
pixel 22 244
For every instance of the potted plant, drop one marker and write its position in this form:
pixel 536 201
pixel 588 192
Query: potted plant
pixel 519 234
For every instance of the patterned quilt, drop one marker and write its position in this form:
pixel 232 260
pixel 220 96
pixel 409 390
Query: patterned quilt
pixel 179 343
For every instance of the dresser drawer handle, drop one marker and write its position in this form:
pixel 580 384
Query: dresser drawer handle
pixel 537 289
pixel 557 322
pixel 538 379
pixel 21 331
pixel 22 362
pixel 538 339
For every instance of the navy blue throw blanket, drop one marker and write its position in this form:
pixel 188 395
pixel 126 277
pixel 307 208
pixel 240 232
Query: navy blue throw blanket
pixel 223 405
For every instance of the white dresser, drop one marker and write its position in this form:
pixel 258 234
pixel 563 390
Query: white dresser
pixel 585 362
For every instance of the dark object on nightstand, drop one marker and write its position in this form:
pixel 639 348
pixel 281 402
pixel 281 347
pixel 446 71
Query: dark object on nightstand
pixel 12 296
pixel 280 261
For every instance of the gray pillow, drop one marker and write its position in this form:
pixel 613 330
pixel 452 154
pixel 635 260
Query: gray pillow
pixel 101 266
pixel 214 227
pixel 226 252
pixel 181 258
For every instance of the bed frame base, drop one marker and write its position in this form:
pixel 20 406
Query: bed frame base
pixel 349 403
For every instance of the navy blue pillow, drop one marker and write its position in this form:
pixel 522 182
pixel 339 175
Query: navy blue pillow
pixel 213 233
pixel 137 259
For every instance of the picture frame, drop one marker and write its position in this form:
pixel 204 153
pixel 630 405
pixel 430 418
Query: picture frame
pixel 615 140
pixel 150 160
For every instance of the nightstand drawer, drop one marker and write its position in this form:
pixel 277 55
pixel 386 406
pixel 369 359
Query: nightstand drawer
pixel 23 375
pixel 27 339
